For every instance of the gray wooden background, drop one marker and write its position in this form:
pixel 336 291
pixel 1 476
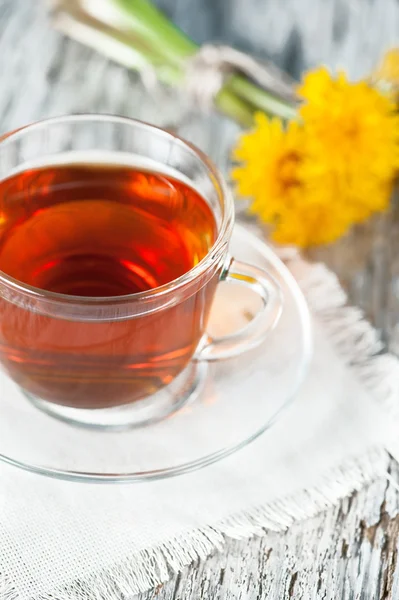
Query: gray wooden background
pixel 297 34
pixel 351 551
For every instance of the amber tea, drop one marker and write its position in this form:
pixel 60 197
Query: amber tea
pixel 101 231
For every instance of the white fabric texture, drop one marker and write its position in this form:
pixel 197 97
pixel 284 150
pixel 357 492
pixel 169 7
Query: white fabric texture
pixel 67 540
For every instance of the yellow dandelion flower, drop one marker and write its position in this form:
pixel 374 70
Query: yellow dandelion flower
pixel 314 178
pixel 269 157
pixel 271 169
pixel 352 135
pixel 312 225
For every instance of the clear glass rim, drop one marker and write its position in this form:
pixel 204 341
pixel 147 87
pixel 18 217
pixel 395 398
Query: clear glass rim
pixel 208 260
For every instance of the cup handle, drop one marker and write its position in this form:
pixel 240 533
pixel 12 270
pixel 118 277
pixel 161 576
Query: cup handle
pixel 253 334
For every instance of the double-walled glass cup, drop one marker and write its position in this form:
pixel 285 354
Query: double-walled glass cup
pixel 131 359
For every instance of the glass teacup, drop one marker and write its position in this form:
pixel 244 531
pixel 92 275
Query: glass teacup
pixel 114 235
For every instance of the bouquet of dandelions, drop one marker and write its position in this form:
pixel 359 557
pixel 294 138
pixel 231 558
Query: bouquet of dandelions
pixel 317 158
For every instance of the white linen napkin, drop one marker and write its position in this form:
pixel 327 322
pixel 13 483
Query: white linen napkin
pixel 68 540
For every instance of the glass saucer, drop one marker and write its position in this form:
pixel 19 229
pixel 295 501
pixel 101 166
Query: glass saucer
pixel 236 400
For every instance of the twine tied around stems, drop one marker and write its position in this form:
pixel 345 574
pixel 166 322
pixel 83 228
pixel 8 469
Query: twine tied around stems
pixel 208 69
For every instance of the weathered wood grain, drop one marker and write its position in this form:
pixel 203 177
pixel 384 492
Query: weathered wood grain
pixel 350 552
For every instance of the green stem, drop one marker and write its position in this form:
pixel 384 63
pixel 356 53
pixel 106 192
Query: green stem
pixel 260 98
pixel 146 37
pixel 177 48
pixel 155 26
pixel 234 107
